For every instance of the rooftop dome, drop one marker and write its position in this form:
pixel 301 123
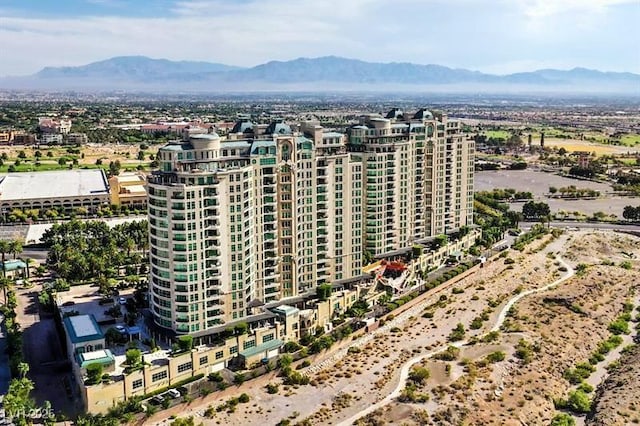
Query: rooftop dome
pixel 242 126
pixel 423 114
pixel 395 113
pixel 278 127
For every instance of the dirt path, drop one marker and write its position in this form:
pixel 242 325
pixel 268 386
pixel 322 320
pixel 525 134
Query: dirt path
pixel 404 372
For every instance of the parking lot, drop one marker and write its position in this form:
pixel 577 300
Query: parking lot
pixel 538 184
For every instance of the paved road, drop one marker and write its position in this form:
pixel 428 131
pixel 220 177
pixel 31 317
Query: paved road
pixel 586 225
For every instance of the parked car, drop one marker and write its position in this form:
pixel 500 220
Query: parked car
pixel 121 329
pixel 173 393
pixel 122 300
pixel 158 399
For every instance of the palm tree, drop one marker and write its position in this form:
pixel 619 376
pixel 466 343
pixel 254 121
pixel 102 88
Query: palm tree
pixel 15 247
pixel 5 284
pixel 29 261
pixel 4 249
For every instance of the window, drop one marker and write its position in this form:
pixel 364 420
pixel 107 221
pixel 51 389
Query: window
pixel 267 338
pixel 248 344
pixel 219 354
pixel 159 376
pixel 233 349
pixel 205 359
pixel 184 367
pixel 137 384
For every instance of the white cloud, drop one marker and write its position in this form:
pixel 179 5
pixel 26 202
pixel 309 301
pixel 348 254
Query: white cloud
pixel 499 36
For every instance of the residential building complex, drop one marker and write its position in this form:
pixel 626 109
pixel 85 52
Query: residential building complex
pixel 271 212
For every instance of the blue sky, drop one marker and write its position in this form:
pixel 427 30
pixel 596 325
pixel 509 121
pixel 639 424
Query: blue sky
pixel 497 36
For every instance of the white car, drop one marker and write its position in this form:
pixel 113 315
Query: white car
pixel 122 300
pixel 173 393
pixel 121 328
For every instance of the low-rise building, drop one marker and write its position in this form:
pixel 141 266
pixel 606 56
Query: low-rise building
pixel 51 139
pixel 83 334
pixel 77 138
pixel 129 189
pixel 66 189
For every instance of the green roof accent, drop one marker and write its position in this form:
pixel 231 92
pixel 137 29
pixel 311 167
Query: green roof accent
pixel 82 328
pixel 285 310
pixel 273 344
pixel 12 265
pixel 177 147
pixel 101 356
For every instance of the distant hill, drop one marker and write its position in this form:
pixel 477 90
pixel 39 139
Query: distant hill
pixel 324 73
pixel 135 68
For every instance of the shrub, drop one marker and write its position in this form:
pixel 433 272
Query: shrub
pixel 449 354
pixel 579 402
pixel 215 377
pixel 239 378
pixel 457 333
pixel 524 351
pixel 496 356
pixel 291 347
pixel 476 323
pixel 581 371
pixel 419 374
pixel 619 326
pixel 285 361
pixel 585 387
pixel 244 398
pixel 562 419
pixel 272 388
pixel 491 337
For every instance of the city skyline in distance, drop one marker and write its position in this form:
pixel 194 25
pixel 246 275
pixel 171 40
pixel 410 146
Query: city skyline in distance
pixel 491 37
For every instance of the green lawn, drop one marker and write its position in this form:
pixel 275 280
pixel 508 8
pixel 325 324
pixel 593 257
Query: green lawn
pixel 496 134
pixel 630 140
pixel 43 167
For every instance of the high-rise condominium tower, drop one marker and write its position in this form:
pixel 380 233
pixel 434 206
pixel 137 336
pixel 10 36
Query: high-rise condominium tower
pixel 269 213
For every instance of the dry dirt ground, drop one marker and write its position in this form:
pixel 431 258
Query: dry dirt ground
pixel 562 326
pixel 361 378
pixel 126 154
pixel 617 401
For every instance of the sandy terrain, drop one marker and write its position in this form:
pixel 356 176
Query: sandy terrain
pixel 578 145
pixel 562 326
pixel 126 154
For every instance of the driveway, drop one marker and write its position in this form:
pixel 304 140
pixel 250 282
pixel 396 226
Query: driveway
pixel 43 351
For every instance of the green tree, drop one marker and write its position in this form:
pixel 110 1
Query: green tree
pixel 94 373
pixel 323 291
pixel 15 247
pixel 133 357
pixel 185 343
pixel 18 400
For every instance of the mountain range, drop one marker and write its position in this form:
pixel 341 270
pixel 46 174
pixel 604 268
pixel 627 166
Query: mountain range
pixel 307 74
